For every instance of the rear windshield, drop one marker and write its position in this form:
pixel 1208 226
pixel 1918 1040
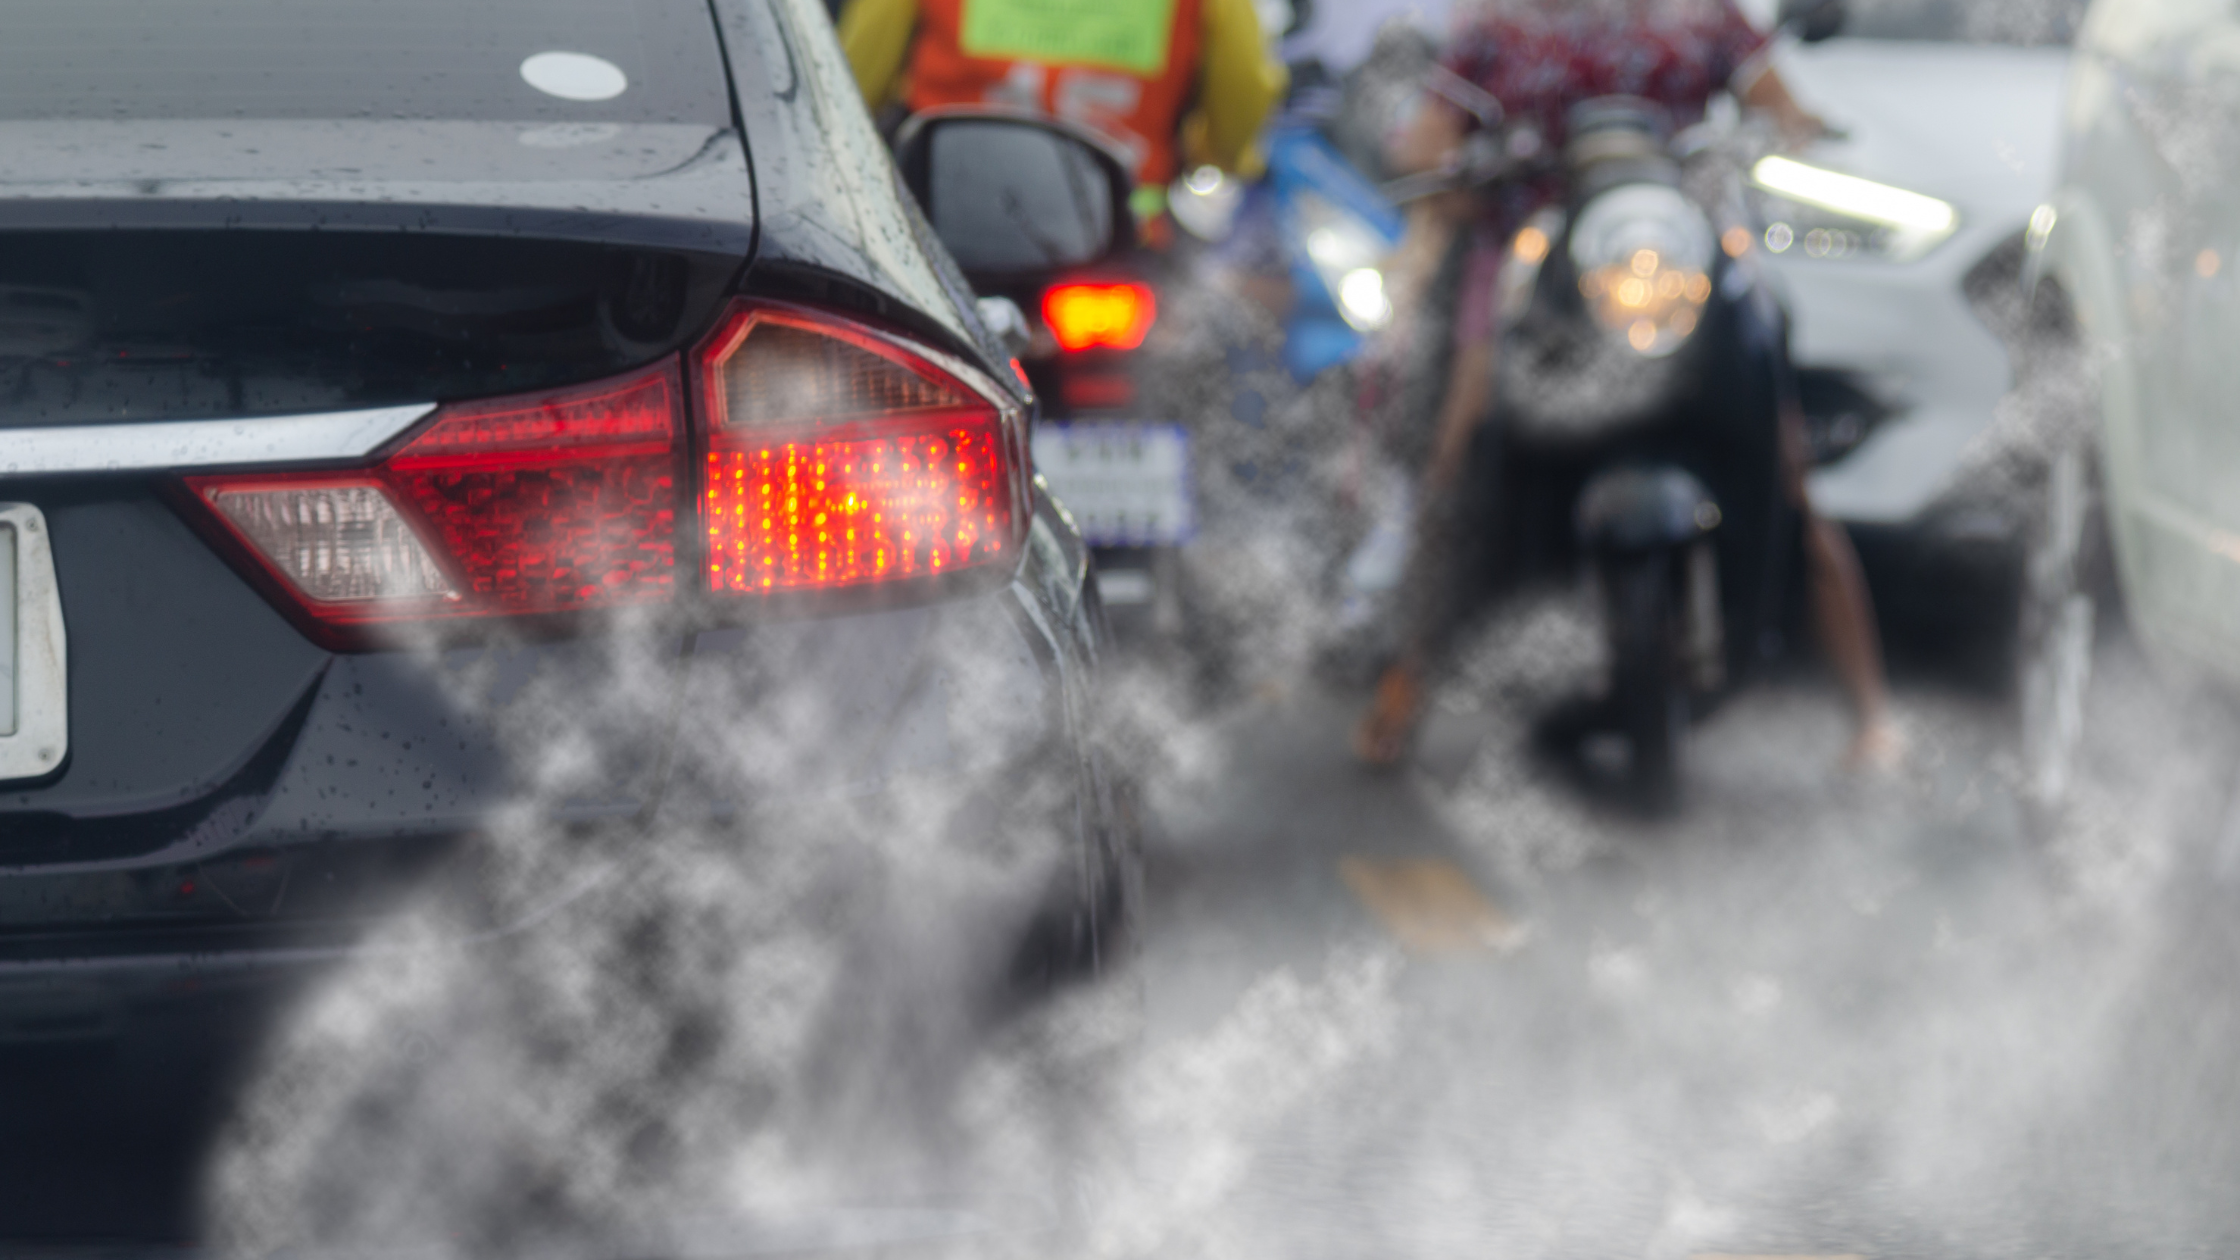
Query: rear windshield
pixel 134 325
pixel 623 61
pixel 2028 23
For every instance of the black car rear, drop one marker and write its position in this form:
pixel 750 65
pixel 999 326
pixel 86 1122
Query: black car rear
pixel 435 420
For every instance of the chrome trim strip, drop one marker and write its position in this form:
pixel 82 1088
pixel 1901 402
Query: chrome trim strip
pixel 38 735
pixel 83 448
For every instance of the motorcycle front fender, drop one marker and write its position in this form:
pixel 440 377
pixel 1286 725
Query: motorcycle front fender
pixel 1636 508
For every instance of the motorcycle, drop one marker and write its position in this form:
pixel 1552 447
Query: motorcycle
pixel 1332 229
pixel 1642 376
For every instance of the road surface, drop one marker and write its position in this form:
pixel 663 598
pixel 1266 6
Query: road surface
pixel 1467 1009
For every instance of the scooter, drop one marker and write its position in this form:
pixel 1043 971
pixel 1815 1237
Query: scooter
pixel 1337 230
pixel 1328 225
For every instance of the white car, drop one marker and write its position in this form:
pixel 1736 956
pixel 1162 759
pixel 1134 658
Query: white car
pixel 2141 237
pixel 1890 239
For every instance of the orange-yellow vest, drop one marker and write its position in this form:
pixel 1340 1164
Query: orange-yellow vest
pixel 1139 111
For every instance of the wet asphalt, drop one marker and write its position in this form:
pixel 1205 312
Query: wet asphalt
pixel 1815 1013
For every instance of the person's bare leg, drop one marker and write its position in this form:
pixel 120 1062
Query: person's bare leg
pixel 1389 726
pixel 1386 730
pixel 1843 614
pixel 1427 140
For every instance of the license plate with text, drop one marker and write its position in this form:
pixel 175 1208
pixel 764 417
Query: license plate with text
pixel 1125 484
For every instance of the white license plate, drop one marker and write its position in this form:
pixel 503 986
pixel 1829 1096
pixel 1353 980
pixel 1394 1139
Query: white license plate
pixel 1125 484
pixel 34 701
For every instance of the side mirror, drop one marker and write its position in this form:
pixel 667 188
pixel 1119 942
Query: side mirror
pixel 1812 20
pixel 1013 195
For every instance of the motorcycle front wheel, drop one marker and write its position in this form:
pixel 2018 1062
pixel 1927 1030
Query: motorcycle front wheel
pixel 1648 696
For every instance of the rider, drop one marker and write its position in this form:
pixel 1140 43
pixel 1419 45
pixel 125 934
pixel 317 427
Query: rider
pixel 1536 58
pixel 1126 68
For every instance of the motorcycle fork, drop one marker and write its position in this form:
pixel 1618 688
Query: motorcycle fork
pixel 1700 649
pixel 1703 644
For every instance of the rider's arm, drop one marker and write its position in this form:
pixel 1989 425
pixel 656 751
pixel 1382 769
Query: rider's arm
pixel 1760 87
pixel 1757 84
pixel 876 36
pixel 1238 82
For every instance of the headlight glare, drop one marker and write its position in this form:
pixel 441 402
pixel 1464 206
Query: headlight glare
pixel 1643 253
pixel 1834 215
pixel 1361 298
pixel 1344 250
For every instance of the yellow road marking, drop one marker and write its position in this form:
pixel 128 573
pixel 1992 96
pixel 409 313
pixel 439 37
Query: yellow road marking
pixel 1428 904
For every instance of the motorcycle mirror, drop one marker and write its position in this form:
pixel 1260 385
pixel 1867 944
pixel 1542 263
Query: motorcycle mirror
pixel 1014 195
pixel 1279 18
pixel 1813 20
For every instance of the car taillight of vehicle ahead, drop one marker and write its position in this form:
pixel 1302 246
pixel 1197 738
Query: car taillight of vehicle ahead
pixel 828 455
pixel 1085 316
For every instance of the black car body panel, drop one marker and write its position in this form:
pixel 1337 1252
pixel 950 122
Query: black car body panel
pixel 698 197
pixel 248 113
pixel 272 59
pixel 237 795
pixel 183 672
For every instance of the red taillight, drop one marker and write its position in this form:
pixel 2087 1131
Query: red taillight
pixel 831 455
pixel 546 503
pixel 557 503
pixel 838 456
pixel 1083 316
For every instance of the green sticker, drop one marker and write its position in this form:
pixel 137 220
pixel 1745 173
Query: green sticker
pixel 1127 35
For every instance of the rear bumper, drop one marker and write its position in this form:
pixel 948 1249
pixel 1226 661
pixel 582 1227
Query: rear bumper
pixel 530 777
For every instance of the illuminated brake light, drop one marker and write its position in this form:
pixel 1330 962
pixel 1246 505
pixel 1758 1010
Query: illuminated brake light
pixel 1082 316
pixel 838 456
pixel 545 503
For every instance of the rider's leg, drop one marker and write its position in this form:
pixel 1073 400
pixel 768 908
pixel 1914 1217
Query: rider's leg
pixel 1843 614
pixel 1433 598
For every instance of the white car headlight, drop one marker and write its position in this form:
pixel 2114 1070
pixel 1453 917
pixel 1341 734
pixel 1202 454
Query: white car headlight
pixel 1644 254
pixel 1345 252
pixel 1834 215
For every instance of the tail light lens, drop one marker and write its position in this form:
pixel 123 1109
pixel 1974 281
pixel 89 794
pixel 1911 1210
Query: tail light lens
pixel 837 456
pixel 831 455
pixel 541 504
pixel 341 544
pixel 1085 316
pixel 558 503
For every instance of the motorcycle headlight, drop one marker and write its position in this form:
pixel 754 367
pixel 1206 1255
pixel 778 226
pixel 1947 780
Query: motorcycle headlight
pixel 1643 253
pixel 1345 251
pixel 1828 214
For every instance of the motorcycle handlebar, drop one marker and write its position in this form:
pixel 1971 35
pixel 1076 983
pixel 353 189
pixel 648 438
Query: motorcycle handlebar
pixel 1485 158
